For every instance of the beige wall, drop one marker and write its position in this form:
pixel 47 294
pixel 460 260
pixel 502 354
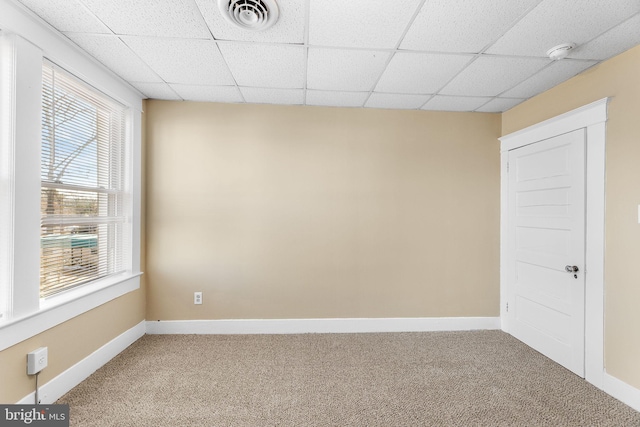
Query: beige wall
pixel 618 78
pixel 72 341
pixel 310 212
pixel 68 343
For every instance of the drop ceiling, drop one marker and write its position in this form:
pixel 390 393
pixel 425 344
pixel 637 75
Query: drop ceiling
pixel 449 55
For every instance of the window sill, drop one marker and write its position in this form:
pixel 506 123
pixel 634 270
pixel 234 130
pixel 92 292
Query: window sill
pixel 60 308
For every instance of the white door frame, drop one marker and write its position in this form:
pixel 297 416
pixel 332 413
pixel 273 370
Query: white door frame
pixel 592 117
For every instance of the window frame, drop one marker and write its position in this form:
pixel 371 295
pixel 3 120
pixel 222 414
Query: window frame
pixel 110 194
pixel 7 74
pixel 29 41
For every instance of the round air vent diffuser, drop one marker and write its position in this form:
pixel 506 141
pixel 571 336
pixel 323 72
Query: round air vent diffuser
pixel 251 15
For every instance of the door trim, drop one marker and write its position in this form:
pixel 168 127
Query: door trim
pixel 592 117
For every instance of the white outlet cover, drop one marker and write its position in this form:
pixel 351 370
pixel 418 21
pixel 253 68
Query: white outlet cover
pixel 37 360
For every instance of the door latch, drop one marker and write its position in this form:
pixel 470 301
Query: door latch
pixel 572 269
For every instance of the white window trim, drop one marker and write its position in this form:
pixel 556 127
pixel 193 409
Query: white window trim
pixel 7 72
pixel 35 41
pixel 59 309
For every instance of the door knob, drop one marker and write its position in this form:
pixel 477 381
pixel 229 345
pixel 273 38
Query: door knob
pixel 571 268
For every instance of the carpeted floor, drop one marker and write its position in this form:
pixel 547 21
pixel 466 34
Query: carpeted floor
pixel 483 378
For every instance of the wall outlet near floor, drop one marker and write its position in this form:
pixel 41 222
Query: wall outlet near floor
pixel 37 360
pixel 197 297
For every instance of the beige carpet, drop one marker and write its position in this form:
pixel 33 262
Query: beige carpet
pixel 484 378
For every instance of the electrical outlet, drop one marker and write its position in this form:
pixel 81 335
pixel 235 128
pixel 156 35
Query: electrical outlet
pixel 197 297
pixel 37 360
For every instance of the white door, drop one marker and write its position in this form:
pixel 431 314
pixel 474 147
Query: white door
pixel 546 235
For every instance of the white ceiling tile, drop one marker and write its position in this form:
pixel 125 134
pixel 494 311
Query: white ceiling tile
pixel 156 91
pixel 256 95
pixel 554 22
pixel 615 41
pixel 498 105
pixel 117 56
pixel 492 75
pixel 547 78
pixel 345 49
pixel 420 73
pixel 208 93
pixel 67 15
pixel 463 25
pixel 161 18
pixel 396 101
pixel 455 103
pixel 337 99
pixel 344 70
pixel 359 23
pixel 195 62
pixel 288 29
pixel 265 65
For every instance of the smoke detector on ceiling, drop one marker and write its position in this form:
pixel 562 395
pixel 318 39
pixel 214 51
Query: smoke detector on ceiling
pixel 560 52
pixel 253 15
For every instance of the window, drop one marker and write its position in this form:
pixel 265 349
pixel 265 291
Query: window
pixel 70 184
pixel 84 204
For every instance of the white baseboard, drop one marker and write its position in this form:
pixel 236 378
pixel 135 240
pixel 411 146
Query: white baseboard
pixel 622 391
pixel 63 383
pixel 305 326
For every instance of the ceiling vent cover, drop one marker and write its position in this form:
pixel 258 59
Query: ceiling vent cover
pixel 251 15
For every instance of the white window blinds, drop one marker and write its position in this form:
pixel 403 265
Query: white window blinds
pixel 84 204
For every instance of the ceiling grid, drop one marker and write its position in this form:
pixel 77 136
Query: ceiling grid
pixel 449 55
